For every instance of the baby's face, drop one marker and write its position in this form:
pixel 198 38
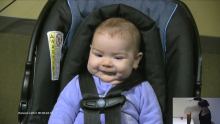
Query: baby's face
pixel 112 59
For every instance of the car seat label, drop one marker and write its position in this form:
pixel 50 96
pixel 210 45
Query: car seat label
pixel 55 41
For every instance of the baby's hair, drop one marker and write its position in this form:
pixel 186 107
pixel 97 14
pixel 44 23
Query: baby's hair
pixel 123 28
pixel 203 103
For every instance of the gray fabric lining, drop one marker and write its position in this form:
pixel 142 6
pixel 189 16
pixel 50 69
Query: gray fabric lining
pixel 160 11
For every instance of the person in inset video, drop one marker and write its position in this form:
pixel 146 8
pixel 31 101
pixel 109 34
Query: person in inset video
pixel 205 113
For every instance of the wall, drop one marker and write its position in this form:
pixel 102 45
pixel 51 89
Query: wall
pixel 181 108
pixel 206 15
pixel 205 12
pixel 22 8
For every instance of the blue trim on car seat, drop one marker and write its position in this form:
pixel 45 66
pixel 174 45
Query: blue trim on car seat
pixel 167 25
pixel 66 38
pixel 165 32
pixel 71 22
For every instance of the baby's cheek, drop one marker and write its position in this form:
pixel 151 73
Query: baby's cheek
pixel 124 69
pixel 92 61
pixel 121 67
pixel 89 67
pixel 90 64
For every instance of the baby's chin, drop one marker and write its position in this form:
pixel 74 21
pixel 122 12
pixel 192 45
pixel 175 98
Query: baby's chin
pixel 114 82
pixel 111 79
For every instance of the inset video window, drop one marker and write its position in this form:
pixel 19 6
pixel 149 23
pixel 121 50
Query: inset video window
pixel 192 110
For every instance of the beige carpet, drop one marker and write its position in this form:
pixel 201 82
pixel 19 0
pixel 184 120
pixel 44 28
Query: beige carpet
pixel 210 75
pixel 13 55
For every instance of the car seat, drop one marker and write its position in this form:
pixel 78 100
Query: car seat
pixel 175 71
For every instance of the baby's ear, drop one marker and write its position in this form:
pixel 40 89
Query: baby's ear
pixel 137 60
pixel 90 45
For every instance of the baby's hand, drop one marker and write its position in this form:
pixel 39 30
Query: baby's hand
pixel 191 99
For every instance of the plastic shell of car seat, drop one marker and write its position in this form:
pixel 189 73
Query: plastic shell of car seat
pixel 29 69
pixel 198 69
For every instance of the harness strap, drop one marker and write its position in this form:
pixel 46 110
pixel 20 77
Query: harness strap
pixel 89 91
pixel 92 105
pixel 113 115
pixel 91 116
pixel 87 86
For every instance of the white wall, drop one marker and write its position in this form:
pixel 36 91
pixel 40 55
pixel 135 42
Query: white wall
pixel 181 108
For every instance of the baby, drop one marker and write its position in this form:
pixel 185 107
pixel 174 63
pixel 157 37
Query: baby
pixel 114 54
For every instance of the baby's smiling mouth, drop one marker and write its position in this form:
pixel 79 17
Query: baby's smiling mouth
pixel 108 73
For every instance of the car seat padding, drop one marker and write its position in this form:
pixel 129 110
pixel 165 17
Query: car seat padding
pixel 161 11
pixel 151 65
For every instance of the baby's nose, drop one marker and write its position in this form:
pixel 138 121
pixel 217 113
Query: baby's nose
pixel 107 63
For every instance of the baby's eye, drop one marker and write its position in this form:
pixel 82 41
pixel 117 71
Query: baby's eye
pixel 98 55
pixel 118 57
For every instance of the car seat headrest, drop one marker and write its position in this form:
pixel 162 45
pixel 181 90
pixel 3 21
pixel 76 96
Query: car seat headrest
pixel 151 65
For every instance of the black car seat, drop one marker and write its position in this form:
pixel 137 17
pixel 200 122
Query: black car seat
pixel 174 72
